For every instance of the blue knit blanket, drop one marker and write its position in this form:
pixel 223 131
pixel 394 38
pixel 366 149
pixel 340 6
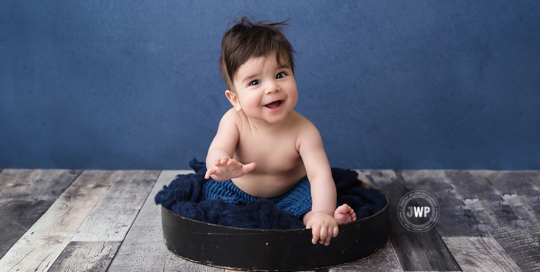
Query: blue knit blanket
pixel 184 196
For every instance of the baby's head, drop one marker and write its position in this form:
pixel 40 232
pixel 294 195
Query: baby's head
pixel 247 39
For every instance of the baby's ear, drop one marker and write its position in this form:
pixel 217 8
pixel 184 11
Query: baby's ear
pixel 233 98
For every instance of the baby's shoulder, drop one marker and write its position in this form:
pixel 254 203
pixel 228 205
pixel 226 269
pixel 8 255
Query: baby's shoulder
pixel 302 123
pixel 230 120
pixel 231 116
pixel 308 134
pixel 305 129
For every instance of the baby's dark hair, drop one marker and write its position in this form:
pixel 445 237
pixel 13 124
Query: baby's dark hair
pixel 248 39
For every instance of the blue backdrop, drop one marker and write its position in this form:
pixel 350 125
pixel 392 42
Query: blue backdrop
pixel 390 84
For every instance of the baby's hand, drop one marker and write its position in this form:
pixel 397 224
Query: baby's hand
pixel 323 226
pixel 225 169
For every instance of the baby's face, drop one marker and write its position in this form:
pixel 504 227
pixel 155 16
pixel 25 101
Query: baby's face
pixel 265 90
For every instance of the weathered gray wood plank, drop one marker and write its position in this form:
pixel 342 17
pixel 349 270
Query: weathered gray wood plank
pixel 424 251
pixel 109 222
pixel 480 254
pixel 473 184
pixel 39 247
pixel 383 261
pixel 521 183
pixel 489 206
pixel 510 233
pixel 25 196
pixel 528 211
pixel 86 256
pixel 521 190
pixel 459 222
pixel 16 181
pixel 455 218
pixel 114 215
pixel 143 248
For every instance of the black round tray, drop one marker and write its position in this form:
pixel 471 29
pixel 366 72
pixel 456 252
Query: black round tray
pixel 256 249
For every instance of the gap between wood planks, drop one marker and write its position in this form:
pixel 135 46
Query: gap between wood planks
pixel 459 241
pixel 54 229
pixel 25 195
pixel 109 222
pixel 487 201
pixel 415 251
pixel 464 235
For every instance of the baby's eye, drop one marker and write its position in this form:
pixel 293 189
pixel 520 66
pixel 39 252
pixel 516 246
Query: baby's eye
pixel 281 75
pixel 254 82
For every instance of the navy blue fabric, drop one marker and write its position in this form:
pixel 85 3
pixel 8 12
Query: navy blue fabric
pixel 184 196
pixel 295 202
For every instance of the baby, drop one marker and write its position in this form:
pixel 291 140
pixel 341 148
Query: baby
pixel 263 148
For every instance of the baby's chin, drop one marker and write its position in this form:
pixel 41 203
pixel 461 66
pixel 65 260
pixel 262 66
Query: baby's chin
pixel 268 120
pixel 277 120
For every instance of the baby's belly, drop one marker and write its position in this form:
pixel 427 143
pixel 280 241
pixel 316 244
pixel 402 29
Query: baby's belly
pixel 268 186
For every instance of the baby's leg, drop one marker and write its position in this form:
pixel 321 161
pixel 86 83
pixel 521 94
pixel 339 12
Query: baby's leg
pixel 344 214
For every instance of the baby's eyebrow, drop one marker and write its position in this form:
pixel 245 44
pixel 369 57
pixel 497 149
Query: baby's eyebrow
pixel 249 77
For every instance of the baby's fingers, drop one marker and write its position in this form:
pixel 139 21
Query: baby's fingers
pixel 324 238
pixel 248 167
pixel 224 161
pixel 336 231
pixel 219 162
pixel 209 173
pixel 316 234
pixel 329 236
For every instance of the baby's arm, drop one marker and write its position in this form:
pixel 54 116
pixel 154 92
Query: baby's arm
pixel 323 189
pixel 220 164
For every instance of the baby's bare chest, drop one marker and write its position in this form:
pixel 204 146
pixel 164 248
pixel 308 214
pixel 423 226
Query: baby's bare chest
pixel 273 154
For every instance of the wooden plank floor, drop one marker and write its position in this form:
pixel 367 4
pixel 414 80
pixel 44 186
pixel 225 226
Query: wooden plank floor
pixel 75 220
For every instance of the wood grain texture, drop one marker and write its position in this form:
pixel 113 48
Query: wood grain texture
pixel 86 256
pixel 473 184
pixel 114 215
pixel 521 191
pixel 105 229
pixel 383 261
pixel 25 196
pixel 143 248
pixel 455 218
pixel 16 181
pixel 484 196
pixel 521 183
pixel 527 210
pixel 423 251
pixel 510 233
pixel 480 254
pixel 39 247
pixel 500 212
pixel 14 184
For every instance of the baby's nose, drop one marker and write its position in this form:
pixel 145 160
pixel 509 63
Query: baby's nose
pixel 273 88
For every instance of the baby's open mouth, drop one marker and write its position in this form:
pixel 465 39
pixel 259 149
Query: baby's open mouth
pixel 274 104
